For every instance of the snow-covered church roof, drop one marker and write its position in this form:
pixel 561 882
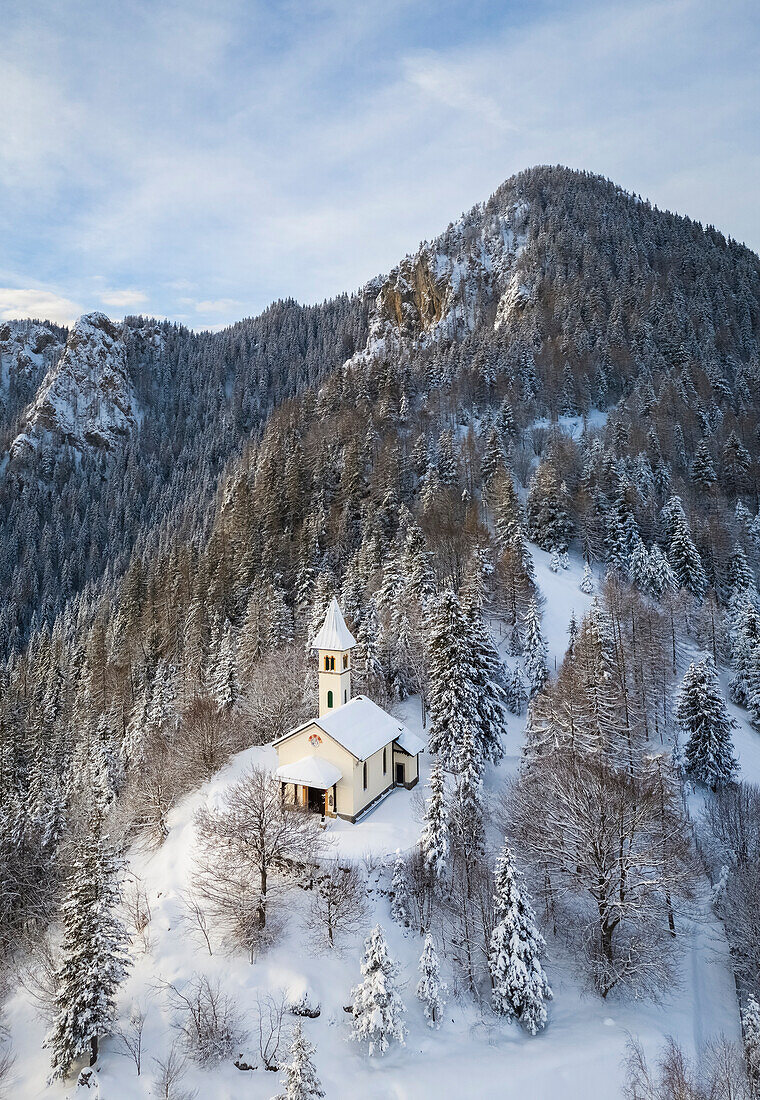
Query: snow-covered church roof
pixel 334 634
pixel 363 728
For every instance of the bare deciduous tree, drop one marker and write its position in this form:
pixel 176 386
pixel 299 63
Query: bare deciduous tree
pixel 270 1013
pixel 253 843
pixel 207 1018
pixel 279 694
pixel 721 1075
pixel 170 1072
pixel 131 1037
pixel 195 921
pixel 137 908
pixel 612 847
pixel 339 902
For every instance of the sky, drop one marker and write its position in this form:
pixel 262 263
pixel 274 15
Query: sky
pixel 198 160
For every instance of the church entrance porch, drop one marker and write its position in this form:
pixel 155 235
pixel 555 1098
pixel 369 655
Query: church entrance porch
pixel 315 800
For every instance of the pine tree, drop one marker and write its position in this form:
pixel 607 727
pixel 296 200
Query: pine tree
pixel 507 511
pixel 378 1011
pixel 431 991
pixel 399 895
pixel 702 469
pixel 434 840
pixel 686 562
pixel 745 640
pixel 535 651
pixel 487 676
pixel 224 679
pixel 702 715
pixel 520 986
pixel 94 958
pixel 587 580
pixel 467 817
pixel 299 1074
pixel 516 693
pixel 322 595
pixel 453 704
pixel 751 1031
pixel 661 578
pixel 549 522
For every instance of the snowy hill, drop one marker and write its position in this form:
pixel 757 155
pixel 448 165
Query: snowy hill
pixel 580 1053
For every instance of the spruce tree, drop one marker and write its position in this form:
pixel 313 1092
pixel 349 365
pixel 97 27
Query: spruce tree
pixel 751 1031
pixel 487 677
pixel 549 522
pixel 94 958
pixel 453 702
pixel 299 1078
pixel 702 469
pixel 685 560
pixel 434 840
pixel 587 580
pixel 399 895
pixel 506 508
pixel 702 715
pixel 378 1011
pixel 520 986
pixel 516 693
pixel 535 650
pixel 431 991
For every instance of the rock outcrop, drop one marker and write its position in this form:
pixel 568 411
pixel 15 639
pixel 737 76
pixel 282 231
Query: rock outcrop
pixel 86 399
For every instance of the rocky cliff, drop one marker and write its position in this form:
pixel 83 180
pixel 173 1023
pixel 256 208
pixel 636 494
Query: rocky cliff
pixel 86 398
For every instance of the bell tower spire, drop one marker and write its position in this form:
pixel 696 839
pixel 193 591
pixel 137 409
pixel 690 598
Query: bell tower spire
pixel 334 641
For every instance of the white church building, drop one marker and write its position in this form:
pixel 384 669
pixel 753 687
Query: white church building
pixel 342 762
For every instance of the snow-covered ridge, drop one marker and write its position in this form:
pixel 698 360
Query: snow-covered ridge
pixel 86 399
pixel 452 284
pixel 27 351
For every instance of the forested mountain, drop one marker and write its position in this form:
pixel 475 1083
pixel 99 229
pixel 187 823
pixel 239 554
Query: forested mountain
pixel 177 507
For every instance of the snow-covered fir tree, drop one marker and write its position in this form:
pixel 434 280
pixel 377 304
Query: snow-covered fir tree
pixel 751 1032
pixel 516 691
pixel 224 679
pixel 536 650
pixel 399 893
pixel 703 717
pixel 378 1011
pixel 488 681
pixel 434 839
pixel 702 468
pixel 94 958
pixel 549 522
pixel 453 702
pixel 431 991
pixel 587 580
pixel 299 1077
pixel 520 986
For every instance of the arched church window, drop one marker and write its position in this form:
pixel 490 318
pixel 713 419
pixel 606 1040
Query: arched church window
pixel 329 698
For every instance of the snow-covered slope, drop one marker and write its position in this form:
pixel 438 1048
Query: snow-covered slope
pixel 86 398
pixel 578 1056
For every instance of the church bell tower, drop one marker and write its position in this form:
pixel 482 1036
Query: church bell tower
pixel 334 642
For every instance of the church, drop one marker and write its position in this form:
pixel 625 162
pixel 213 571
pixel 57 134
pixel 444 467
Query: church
pixel 342 762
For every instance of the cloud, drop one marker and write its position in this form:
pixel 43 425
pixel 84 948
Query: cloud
pixel 42 304
pixel 216 305
pixel 123 299
pixel 271 150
